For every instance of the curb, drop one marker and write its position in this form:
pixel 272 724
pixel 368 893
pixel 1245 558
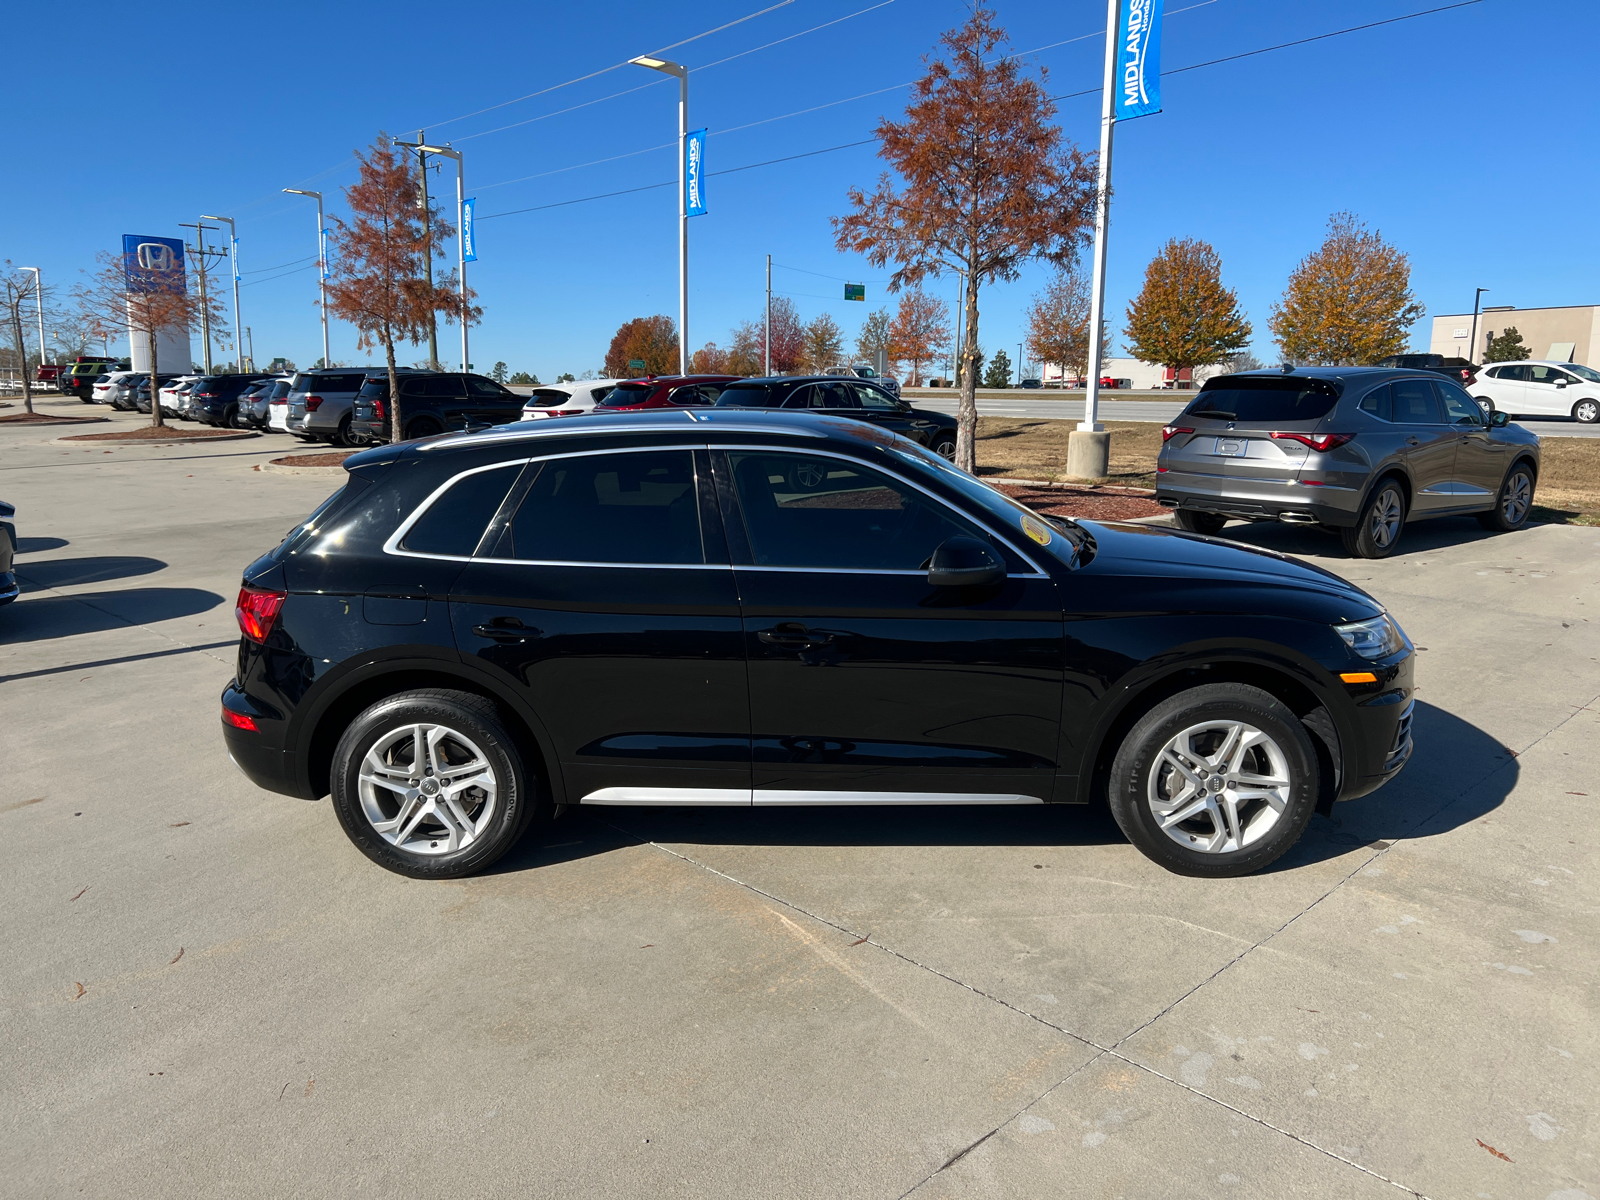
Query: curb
pixel 1070 487
pixel 46 424
pixel 286 469
pixel 174 441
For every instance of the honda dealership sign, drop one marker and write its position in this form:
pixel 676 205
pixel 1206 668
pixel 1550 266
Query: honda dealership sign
pixel 1138 80
pixel 152 265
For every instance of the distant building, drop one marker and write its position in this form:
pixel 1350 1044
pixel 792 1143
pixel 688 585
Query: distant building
pixel 1140 376
pixel 1569 334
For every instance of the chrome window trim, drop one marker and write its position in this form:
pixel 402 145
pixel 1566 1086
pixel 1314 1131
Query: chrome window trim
pixel 939 500
pixel 392 546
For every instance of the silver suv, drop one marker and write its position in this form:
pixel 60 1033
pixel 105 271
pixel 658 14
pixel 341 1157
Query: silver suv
pixel 1356 449
pixel 320 403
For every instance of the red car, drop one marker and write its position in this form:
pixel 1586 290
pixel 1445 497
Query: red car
pixel 664 391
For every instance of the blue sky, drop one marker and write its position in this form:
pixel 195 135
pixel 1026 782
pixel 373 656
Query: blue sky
pixel 1466 137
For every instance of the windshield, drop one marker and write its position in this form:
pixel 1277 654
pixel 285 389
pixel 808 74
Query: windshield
pixel 1056 535
pixel 1583 372
pixel 1264 399
pixel 625 394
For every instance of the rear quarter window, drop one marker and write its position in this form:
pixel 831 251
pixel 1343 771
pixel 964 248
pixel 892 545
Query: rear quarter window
pixel 455 521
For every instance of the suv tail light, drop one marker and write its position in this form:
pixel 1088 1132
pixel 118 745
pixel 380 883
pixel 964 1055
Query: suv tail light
pixel 313 403
pixel 1320 442
pixel 257 611
pixel 1168 432
pixel 379 412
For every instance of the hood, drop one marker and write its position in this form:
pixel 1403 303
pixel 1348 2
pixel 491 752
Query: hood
pixel 1275 584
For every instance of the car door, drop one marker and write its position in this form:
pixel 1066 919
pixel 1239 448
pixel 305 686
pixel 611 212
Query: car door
pixel 1480 464
pixel 603 594
pixel 1430 452
pixel 1509 388
pixel 1546 390
pixel 867 684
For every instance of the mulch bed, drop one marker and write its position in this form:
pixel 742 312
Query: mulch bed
pixel 1091 503
pixel 38 418
pixel 154 433
pixel 331 458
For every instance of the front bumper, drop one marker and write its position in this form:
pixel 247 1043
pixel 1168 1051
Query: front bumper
pixel 1376 732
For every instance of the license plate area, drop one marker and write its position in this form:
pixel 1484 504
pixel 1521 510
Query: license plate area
pixel 1228 447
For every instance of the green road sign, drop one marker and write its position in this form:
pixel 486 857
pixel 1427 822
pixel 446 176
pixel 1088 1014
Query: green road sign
pixel 855 291
pixel 636 364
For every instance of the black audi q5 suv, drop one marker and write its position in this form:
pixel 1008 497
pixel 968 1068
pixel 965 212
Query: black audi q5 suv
pixel 747 608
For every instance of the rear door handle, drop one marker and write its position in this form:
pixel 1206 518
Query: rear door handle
pixel 793 636
pixel 507 630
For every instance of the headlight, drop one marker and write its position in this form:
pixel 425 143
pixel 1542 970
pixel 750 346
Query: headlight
pixel 1377 638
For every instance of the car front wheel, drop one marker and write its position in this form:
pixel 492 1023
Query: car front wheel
pixel 430 784
pixel 1513 504
pixel 1216 781
pixel 1587 411
pixel 1377 531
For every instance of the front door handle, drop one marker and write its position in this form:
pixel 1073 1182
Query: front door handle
pixel 507 630
pixel 793 636
pixel 1411 441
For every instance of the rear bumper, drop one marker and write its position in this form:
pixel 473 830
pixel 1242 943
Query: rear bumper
pixel 9 589
pixel 1259 499
pixel 256 752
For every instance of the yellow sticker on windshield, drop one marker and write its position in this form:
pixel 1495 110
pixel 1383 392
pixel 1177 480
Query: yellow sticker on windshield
pixel 1036 530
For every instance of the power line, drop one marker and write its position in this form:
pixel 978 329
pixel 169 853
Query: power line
pixel 311 266
pixel 280 266
pixel 1426 12
pixel 820 275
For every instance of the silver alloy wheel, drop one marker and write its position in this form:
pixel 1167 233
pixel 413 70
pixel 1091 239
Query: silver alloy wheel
pixel 1516 497
pixel 946 450
pixel 1587 411
pixel 1219 786
pixel 1387 513
pixel 427 789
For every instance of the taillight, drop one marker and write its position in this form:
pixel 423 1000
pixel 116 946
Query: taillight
pixel 1320 442
pixel 378 411
pixel 239 720
pixel 313 403
pixel 1168 432
pixel 257 611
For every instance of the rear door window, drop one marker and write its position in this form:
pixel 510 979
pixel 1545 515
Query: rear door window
pixel 639 508
pixel 453 524
pixel 1414 403
pixel 1265 400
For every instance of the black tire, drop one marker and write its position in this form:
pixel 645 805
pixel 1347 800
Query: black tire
pixel 1487 405
pixel 1141 773
pixel 1514 502
pixel 341 436
pixel 230 417
pixel 945 446
pixel 1383 518
pixel 1586 411
pixel 422 427
pixel 1199 522
pixel 477 727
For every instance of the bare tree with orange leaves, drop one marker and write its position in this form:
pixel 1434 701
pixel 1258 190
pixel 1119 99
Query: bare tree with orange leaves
pixel 989 184
pixel 378 263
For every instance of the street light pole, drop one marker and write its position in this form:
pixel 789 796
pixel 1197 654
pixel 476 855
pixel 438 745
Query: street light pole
pixel 38 303
pixel 322 268
pixel 461 233
pixel 233 240
pixel 682 72
pixel 1472 342
pixel 427 231
pixel 767 366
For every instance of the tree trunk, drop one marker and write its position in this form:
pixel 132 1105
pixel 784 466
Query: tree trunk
pixel 155 391
pixel 395 427
pixel 967 407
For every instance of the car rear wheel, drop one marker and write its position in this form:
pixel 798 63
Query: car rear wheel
pixel 430 784
pixel 1199 522
pixel 1513 504
pixel 1216 781
pixel 945 446
pixel 341 436
pixel 422 427
pixel 1587 411
pixel 1377 531
pixel 1487 405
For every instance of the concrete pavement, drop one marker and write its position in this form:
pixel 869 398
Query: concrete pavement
pixel 209 991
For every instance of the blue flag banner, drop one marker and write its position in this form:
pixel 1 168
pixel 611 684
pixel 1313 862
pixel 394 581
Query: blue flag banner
pixel 469 236
pixel 1138 80
pixel 694 173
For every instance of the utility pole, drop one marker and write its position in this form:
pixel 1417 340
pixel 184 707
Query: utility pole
pixel 427 231
pixel 204 269
pixel 252 356
pixel 461 235
pixel 767 369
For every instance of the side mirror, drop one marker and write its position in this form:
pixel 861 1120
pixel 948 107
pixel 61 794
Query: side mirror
pixel 1499 419
pixel 1561 383
pixel 965 562
pixel 903 405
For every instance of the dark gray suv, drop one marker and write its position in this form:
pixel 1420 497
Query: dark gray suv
pixel 1357 449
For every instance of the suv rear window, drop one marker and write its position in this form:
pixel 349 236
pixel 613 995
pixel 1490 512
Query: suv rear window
pixel 625 394
pixel 747 395
pixel 1265 399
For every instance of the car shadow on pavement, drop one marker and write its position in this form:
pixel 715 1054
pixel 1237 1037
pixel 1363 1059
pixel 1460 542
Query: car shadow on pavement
pixel 71 572
pixel 1456 774
pixel 38 618
pixel 38 545
pixel 1420 538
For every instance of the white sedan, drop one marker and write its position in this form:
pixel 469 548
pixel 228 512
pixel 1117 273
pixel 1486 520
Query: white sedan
pixel 567 399
pixel 1539 388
